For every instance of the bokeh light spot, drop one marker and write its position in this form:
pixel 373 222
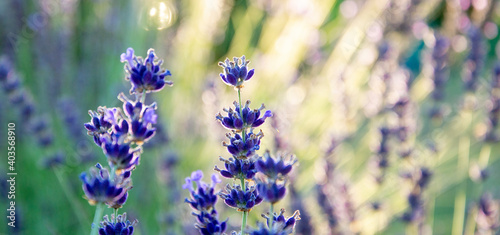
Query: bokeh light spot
pixel 157 15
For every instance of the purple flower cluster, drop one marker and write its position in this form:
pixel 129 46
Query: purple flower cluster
pixel 280 224
pixel 242 200
pixel 243 148
pixel 236 73
pixel 145 75
pixel 121 134
pixel 203 199
pixel 119 225
pixel 242 119
pixel 272 185
pixel 237 169
pixel 99 188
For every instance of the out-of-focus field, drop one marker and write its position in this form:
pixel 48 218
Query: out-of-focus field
pixel 327 69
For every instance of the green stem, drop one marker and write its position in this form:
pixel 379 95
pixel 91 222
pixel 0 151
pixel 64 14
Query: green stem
pixel 244 219
pixel 244 222
pixel 243 135
pixel 270 221
pixel 243 183
pixel 116 215
pixel 143 97
pixel 112 174
pixel 97 218
pixel 243 130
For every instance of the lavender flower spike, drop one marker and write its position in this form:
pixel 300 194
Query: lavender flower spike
pixel 121 135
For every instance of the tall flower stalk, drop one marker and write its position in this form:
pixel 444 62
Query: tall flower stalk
pixel 121 135
pixel 258 178
pixel 243 141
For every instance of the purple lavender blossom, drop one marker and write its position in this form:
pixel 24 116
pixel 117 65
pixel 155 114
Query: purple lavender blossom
pixel 203 199
pixel 280 224
pixel 99 188
pixel 238 168
pixel 242 200
pixel 236 73
pixel 142 119
pixel 271 191
pixel 236 120
pixel 119 154
pixel 208 224
pixel 119 225
pixel 243 149
pixel 145 75
pixel 97 126
pixel 273 168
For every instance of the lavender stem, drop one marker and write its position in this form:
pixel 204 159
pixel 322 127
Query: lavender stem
pixel 270 220
pixel 97 218
pixel 244 218
pixel 243 130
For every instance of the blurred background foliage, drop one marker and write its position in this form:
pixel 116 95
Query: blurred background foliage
pixel 334 73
